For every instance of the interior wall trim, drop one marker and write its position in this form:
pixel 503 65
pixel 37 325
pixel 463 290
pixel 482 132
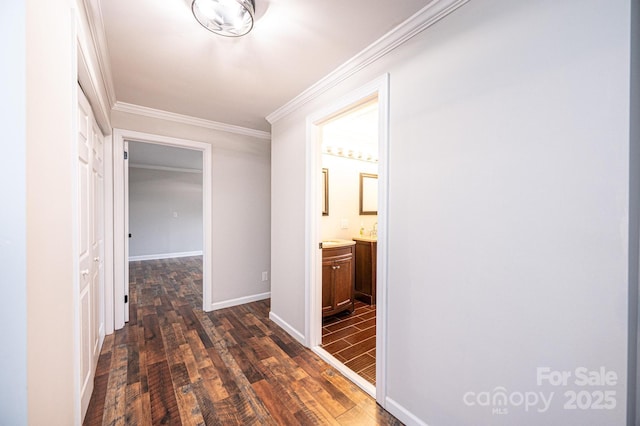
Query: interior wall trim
pixel 94 84
pixel 427 16
pixel 287 327
pixel 158 256
pixel 313 273
pixel 90 72
pixel 402 414
pixel 120 224
pixel 240 301
pixel 187 119
pixel 95 22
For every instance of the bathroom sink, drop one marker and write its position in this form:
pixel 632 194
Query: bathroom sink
pixel 337 242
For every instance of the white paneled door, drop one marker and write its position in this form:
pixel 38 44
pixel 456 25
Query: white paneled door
pixel 90 246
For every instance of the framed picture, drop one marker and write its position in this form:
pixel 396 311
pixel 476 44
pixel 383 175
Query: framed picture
pixel 368 194
pixel 325 190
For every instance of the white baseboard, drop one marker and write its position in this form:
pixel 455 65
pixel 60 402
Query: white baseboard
pixel 165 255
pixel 240 301
pixel 402 414
pixel 286 327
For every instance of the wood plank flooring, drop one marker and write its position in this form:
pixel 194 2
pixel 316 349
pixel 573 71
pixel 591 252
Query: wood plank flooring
pixel 174 364
pixel 351 338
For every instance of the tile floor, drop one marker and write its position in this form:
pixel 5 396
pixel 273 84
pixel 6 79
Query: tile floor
pixel 351 338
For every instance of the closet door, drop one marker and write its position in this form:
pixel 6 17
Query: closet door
pixel 90 232
pixel 97 241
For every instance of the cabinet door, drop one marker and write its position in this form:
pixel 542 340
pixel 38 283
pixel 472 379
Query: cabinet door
pixel 327 286
pixel 365 288
pixel 343 283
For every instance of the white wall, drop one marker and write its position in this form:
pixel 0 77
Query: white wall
pixel 240 204
pixel 508 193
pixel 634 218
pixel 50 112
pixel 13 235
pixel 165 212
pixel 344 197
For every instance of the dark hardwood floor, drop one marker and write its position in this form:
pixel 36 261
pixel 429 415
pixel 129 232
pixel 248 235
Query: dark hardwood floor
pixel 351 338
pixel 174 364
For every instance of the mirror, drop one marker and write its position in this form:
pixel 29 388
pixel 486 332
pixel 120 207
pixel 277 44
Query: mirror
pixel 368 193
pixel 325 191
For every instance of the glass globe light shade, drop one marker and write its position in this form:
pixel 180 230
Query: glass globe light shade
pixel 229 18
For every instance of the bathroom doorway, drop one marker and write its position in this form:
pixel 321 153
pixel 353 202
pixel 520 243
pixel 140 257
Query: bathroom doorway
pixel 347 222
pixel 349 145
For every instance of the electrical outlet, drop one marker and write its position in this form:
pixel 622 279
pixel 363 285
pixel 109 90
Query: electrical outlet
pixel 265 276
pixel 344 224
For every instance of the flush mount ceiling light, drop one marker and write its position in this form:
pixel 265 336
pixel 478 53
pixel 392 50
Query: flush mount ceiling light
pixel 229 18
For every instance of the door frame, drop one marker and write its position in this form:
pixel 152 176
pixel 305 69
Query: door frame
pixel 121 262
pixel 313 254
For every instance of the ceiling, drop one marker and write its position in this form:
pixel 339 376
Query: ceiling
pixel 161 58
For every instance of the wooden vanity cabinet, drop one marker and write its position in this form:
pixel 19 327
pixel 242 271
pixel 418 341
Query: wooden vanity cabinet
pixel 366 254
pixel 338 275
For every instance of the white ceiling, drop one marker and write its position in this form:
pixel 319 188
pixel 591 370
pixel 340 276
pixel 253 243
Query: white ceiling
pixel 161 58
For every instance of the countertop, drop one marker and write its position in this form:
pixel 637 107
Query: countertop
pixel 365 238
pixel 337 242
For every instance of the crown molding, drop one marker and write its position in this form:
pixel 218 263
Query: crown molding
pixel 98 38
pixel 90 72
pixel 423 19
pixel 89 83
pixel 187 119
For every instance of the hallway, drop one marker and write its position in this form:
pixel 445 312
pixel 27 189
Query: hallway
pixel 174 364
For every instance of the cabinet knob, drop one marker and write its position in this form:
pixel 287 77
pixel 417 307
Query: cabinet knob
pixel 338 267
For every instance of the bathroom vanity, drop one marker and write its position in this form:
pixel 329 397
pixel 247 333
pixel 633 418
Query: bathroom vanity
pixel 338 276
pixel 366 250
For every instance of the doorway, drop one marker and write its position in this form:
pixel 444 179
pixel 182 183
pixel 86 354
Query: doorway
pixel 349 145
pixel 164 206
pixel 375 96
pixel 121 219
